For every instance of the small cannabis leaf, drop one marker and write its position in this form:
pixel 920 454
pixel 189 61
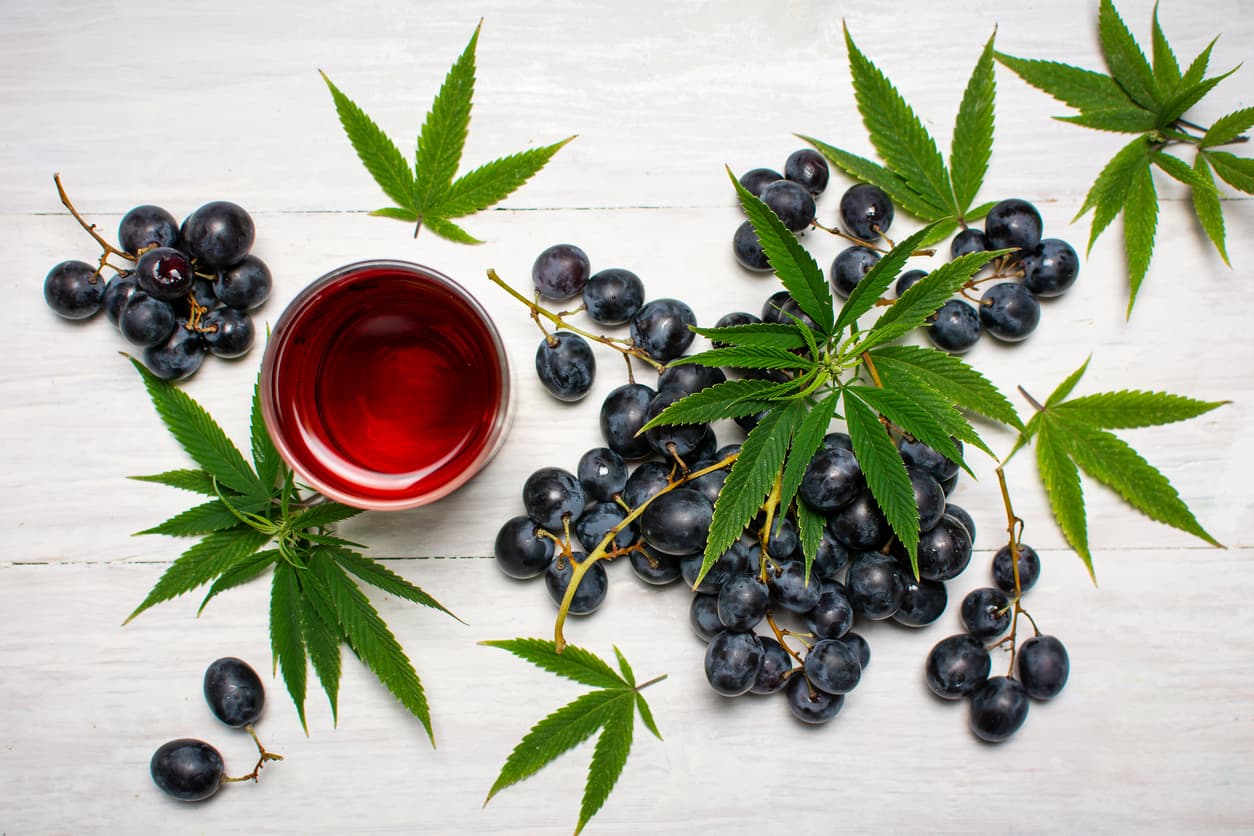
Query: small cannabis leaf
pixel 915 175
pixel 610 711
pixel 1072 435
pixel 427 193
pixel 315 604
pixel 1151 102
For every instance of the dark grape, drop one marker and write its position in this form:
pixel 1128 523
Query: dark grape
pixel 689 378
pixel 849 266
pixel 917 454
pixel 832 666
pixel 748 249
pixel 245 285
pixel 661 329
pixel 733 562
pixel 790 589
pixel 998 709
pixel 832 616
pixel 520 551
pixel 560 271
pixel 807 168
pixel 866 211
pixel 711 484
pixel 810 705
pixel 228 332
pixel 732 662
pixel 646 481
pixel 908 280
pixel 164 273
pixel 652 566
pixel 218 234
pixel 776 663
pixel 1009 311
pixel 1004 573
pixel 147 226
pixel 783 539
pixel 1013 224
pixel 876 585
pixel 1050 268
pixel 837 441
pixel 187 769
pixel 234 692
pixel 774 305
pixel 860 525
pixel 732 320
pixel 677 522
pixel 961 515
pixel 117 293
pixel 956 666
pixel 970 240
pixel 552 494
pixel 592 587
pixel 703 616
pixel 566 366
pixel 756 179
pixel 832 480
pixel 146 320
pixel 923 602
pixel 595 522
pixel 669 440
pixel 73 290
pixel 622 415
pixel 742 602
pixel 178 357
pixel 830 558
pixel 986 612
pixel 944 550
pixel 1043 667
pixel 792 202
pixel 603 473
pixel 613 296
pixel 928 497
pixel 860 647
pixel 955 327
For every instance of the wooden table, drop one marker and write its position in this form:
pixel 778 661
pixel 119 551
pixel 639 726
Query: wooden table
pixel 179 104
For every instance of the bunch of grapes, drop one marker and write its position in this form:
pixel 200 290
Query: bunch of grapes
pixel 182 290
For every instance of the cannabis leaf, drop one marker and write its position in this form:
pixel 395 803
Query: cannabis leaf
pixel 315 605
pixel 916 176
pixel 1073 435
pixel 610 711
pixel 1149 100
pixel 427 192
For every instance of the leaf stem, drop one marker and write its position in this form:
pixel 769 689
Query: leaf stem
pixel 870 367
pixel 1035 403
pixel 655 680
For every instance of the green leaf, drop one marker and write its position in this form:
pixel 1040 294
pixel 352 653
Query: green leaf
pixel 1110 191
pixel 646 716
pixel 196 481
pixel 1186 97
pixel 1129 408
pixel 1180 170
pixel 241 572
pixel 1210 213
pixel 912 415
pixel 381 577
pixel 323 514
pixel 443 134
pixel 923 298
pixel 1166 67
pixel 492 182
pixel 810 525
pixel 573 662
pixel 447 229
pixel 871 287
pixel 1062 485
pixel 373 642
pixel 751 479
pixel 950 376
pixel 1128 120
pixel 625 667
pixel 731 399
pixel 746 357
pixel 884 471
pixel 203 562
pixel 792 263
pixel 1069 383
pixel 805 443
pixel 1110 460
pixel 781 335
pixel 938 406
pixel 1237 172
pixel 286 637
pixel 198 433
pixel 608 759
pixel 972 143
pixel 1140 221
pixel 321 633
pixel 1125 59
pixel 1080 88
pixel 1228 128
pixel 266 459
pixel 377 153
pixel 898 135
pixel 203 519
pixel 397 214
pixel 1197 68
pixel 867 171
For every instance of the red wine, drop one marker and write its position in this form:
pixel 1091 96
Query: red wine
pixel 386 388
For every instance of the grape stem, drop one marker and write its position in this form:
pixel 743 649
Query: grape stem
pixel 108 249
pixel 870 245
pixel 558 319
pixel 263 756
pixel 603 550
pixel 1014 527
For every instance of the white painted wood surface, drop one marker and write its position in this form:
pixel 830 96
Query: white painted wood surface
pixel 178 104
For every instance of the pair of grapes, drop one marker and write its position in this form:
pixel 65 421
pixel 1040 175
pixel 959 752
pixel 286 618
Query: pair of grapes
pixel 958 666
pixel 193 770
pixel 187 289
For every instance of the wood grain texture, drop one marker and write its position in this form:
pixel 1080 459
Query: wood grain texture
pixel 180 104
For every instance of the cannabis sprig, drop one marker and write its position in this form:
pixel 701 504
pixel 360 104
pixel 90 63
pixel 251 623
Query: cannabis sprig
pixel 609 711
pixel 427 192
pixel 1151 101
pixel 915 175
pixel 316 601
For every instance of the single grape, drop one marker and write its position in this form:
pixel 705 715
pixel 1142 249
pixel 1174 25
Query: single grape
pixel 234 692
pixel 245 285
pixel 561 271
pixel 830 558
pixel 219 234
pixel 837 441
pixel 164 273
pixel 944 550
pixel 228 332
pixel 917 454
pixel 832 666
pixel 860 647
pixel 73 290
pixel 776 663
pixel 783 539
pixel 603 473
pixel 661 329
pixel 924 601
pixel 970 240
pixel 748 249
pixel 732 320
pixel 146 321
pixel 566 366
pixel 955 326
pixel 689 378
pixel 711 484
pixel 653 567
pixel 203 291
pixel 742 602
pixel 774 305
pixel 521 552
pixel 1050 268
pixel 179 356
pixel 832 616
pixel 756 179
pixel 860 525
pixel 1009 311
pixel 147 226
pixel 810 705
pixel 187 769
pixel 597 520
pixel 849 266
pixel 790 589
pixel 866 211
pixel 703 616
pixel 986 612
pixel 670 440
pixel 551 495
pixel 928 497
pixel 592 587
pixel 956 666
pixel 792 202
pixel 1043 667
pixel 622 415
pixel 1013 224
pixel 117 293
pixel 807 168
pixel 1003 570
pixel 646 481
pixel 791 313
pixel 732 662
pixel 998 709
pixel 731 563
pixel 876 585
pixel 613 296
pixel 908 280
pixel 677 522
pixel 961 515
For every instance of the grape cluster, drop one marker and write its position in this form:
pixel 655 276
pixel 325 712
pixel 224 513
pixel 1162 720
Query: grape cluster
pixel 193 770
pixel 790 195
pixel 959 666
pixel 184 291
